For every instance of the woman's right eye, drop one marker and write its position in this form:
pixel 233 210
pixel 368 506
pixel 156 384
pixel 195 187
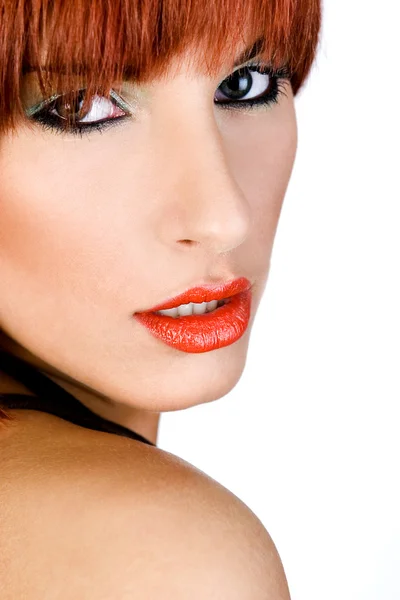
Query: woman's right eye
pixel 62 114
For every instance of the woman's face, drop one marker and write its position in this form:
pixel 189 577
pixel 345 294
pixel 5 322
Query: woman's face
pixel 94 229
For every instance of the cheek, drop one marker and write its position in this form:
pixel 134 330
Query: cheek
pixel 261 150
pixel 50 203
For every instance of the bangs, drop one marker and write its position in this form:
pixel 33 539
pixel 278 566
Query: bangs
pixel 106 42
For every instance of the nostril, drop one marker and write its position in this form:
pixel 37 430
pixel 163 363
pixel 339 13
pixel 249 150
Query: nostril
pixel 187 242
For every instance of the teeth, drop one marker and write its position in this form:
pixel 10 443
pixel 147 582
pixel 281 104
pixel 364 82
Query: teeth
pixel 171 312
pixel 211 305
pixel 197 309
pixel 185 309
pixel 192 308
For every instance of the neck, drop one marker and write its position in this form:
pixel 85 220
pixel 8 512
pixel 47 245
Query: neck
pixel 141 421
pixel 144 422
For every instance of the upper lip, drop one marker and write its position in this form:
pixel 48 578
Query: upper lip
pixel 205 293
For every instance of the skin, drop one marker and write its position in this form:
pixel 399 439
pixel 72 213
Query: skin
pixel 89 234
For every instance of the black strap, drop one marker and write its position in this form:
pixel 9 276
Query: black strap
pixel 52 398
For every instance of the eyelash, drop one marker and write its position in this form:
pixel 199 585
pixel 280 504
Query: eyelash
pixel 277 89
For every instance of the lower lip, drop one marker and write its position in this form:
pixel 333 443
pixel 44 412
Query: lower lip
pixel 202 333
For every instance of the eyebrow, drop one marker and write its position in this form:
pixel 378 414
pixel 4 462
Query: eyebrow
pixel 250 52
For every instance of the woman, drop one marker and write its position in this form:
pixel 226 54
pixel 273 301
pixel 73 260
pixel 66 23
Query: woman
pixel 98 234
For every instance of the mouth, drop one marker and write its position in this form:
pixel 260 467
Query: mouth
pixel 202 319
pixel 196 327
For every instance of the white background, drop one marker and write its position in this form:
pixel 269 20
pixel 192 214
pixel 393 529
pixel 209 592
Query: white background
pixel 309 438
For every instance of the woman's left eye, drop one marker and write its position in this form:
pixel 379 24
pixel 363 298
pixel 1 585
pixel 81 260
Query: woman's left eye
pixel 63 114
pixel 251 85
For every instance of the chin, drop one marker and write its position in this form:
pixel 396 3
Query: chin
pixel 197 379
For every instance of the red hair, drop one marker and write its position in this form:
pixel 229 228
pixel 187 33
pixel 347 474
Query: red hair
pixel 104 42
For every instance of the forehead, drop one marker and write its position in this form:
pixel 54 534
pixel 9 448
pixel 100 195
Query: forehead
pixel 193 60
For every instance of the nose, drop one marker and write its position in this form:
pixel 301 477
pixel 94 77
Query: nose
pixel 202 204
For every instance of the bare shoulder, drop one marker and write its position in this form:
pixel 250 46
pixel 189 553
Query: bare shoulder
pixel 106 517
